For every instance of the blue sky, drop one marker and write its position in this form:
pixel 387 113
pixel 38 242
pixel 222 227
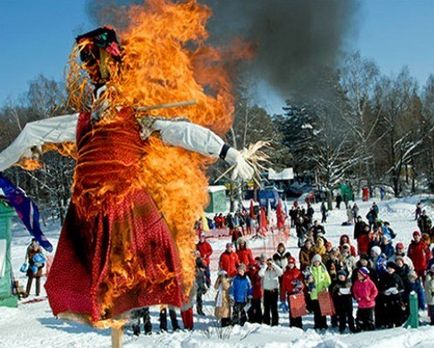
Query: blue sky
pixel 36 37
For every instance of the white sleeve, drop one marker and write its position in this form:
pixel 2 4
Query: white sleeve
pixel 58 129
pixel 189 136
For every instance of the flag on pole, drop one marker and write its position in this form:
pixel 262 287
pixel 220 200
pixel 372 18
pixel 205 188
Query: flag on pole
pixel 26 210
pixel 280 215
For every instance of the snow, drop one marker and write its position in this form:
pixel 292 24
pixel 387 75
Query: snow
pixel 33 325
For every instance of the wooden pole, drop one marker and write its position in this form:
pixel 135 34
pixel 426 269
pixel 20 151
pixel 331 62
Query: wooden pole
pixel 117 334
pixel 167 105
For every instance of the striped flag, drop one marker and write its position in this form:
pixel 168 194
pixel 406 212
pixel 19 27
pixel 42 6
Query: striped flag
pixel 26 210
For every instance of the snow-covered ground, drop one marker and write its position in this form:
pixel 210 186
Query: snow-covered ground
pixel 33 325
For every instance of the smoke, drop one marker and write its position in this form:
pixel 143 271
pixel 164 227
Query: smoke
pixel 294 40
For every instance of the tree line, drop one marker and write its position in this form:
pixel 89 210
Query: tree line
pixel 365 127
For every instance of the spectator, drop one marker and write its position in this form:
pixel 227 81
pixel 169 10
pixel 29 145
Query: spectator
pixel 342 299
pixel 240 292
pixel 306 254
pixel 424 223
pixel 244 254
pixel 378 262
pixel 402 269
pixel 391 287
pixel 222 301
pixel 365 293
pixel 36 261
pixel 205 251
pixel 348 260
pixel 318 280
pixel 318 230
pixel 147 325
pixel 345 239
pixel 229 261
pixel 387 230
pixel 255 310
pixel 270 274
pixel 319 247
pixel 355 211
pixel 372 218
pixel 418 211
pixel 163 318
pixel 361 234
pixel 323 212
pixel 419 254
pixel 338 200
pixel 387 247
pixel 281 256
pixel 292 283
pixel 413 284
pixel 429 293
pixel 201 285
pixel 400 252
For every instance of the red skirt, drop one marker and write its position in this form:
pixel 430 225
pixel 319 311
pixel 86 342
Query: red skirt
pixel 120 259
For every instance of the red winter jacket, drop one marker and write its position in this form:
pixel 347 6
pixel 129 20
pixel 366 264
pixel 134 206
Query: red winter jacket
pixel 363 244
pixel 289 278
pixel 205 250
pixel 258 291
pixel 229 262
pixel 365 293
pixel 420 254
pixel 245 256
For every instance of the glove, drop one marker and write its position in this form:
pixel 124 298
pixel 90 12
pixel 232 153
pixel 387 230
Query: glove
pixel 283 307
pixel 242 169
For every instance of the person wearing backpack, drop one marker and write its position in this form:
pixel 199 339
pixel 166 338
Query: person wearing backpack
pixel 36 261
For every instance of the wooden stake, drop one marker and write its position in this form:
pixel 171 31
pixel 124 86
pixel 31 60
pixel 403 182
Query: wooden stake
pixel 117 334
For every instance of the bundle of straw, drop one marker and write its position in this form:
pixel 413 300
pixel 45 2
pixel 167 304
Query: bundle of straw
pixel 255 157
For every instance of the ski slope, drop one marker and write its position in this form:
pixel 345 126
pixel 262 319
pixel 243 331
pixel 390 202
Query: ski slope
pixel 33 325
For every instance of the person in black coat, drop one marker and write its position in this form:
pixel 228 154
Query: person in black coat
pixel 317 229
pixel 391 289
pixel 341 293
pixel 359 227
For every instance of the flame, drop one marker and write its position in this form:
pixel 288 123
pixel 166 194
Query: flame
pixel 165 59
pixel 159 66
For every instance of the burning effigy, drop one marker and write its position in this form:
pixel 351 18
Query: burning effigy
pixel 139 181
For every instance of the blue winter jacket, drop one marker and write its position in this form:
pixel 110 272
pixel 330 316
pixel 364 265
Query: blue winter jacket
pixel 241 288
pixel 418 289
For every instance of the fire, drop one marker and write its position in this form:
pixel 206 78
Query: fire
pixel 160 66
pixel 165 59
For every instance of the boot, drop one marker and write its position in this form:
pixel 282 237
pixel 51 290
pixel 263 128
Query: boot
pixel 29 285
pixel 38 286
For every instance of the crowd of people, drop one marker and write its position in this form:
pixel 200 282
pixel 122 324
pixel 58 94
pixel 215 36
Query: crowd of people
pixel 370 270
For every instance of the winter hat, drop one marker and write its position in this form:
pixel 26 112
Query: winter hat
pixel 364 272
pixel 291 259
pixel 400 245
pixel 317 257
pixel 376 249
pixel 342 272
pixel 392 265
pixel 416 233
